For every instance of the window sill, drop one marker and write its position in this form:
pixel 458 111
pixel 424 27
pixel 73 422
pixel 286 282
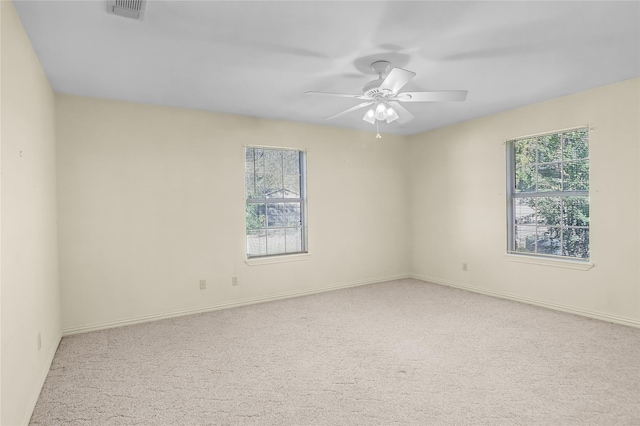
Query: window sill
pixel 277 259
pixel 558 263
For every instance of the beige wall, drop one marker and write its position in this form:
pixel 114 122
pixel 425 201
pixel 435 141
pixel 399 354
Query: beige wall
pixel 29 275
pixel 458 205
pixel 151 200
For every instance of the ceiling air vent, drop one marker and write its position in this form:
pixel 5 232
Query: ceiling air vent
pixel 128 8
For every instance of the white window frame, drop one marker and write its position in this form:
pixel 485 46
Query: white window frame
pixel 512 195
pixel 301 200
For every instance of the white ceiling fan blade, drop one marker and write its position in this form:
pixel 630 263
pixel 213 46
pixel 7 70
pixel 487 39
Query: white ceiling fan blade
pixel 362 105
pixel 396 80
pixel 403 115
pixel 437 96
pixel 338 95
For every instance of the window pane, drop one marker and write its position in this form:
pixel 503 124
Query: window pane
pixel 525 238
pixel 256 243
pixel 273 186
pixel 526 179
pixel 549 148
pixel 273 161
pixel 291 186
pixel 576 211
pixel 248 167
pixel 291 162
pixel 275 241
pixel 259 186
pixel 250 187
pixel 576 144
pixel 576 243
pixel 255 216
pixel 292 214
pixel 294 239
pixel 576 175
pixel 525 211
pixel 525 152
pixel 276 215
pixel 259 160
pixel 549 177
pixel 548 240
pixel 549 211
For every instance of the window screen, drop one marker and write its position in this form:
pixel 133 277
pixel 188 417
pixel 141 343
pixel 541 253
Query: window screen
pixel 275 201
pixel 548 194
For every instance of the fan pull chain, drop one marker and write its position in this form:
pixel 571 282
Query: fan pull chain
pixel 378 131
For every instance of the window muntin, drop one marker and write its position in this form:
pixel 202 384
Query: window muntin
pixel 548 194
pixel 275 201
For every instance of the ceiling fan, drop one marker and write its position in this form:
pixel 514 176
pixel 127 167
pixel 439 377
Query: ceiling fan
pixel 383 94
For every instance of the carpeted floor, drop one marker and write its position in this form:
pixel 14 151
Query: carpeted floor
pixel 397 353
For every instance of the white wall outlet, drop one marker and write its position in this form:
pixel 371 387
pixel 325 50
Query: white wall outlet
pixel 39 341
pixel 203 284
pixel 234 280
pixel 464 267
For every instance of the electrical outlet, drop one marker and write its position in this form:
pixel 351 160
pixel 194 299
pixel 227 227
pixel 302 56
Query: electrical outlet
pixel 39 341
pixel 203 284
pixel 464 267
pixel 234 280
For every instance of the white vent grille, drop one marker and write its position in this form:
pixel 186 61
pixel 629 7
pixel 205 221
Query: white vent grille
pixel 128 8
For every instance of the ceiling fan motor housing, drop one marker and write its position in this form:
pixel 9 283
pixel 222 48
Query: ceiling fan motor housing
pixel 372 89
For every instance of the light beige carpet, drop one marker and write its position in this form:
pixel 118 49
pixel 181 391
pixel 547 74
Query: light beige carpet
pixel 396 353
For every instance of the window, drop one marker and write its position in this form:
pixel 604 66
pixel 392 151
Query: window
pixel 548 194
pixel 275 201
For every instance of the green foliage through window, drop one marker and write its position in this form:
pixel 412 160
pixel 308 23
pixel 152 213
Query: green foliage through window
pixel 549 194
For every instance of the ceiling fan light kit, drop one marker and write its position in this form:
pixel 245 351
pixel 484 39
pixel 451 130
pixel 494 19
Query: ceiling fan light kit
pixel 382 112
pixel 392 115
pixel 383 94
pixel 370 116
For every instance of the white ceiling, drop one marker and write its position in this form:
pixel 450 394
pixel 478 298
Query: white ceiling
pixel 258 58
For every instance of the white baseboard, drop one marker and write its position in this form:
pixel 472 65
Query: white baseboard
pixel 43 376
pixel 555 306
pixel 225 305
